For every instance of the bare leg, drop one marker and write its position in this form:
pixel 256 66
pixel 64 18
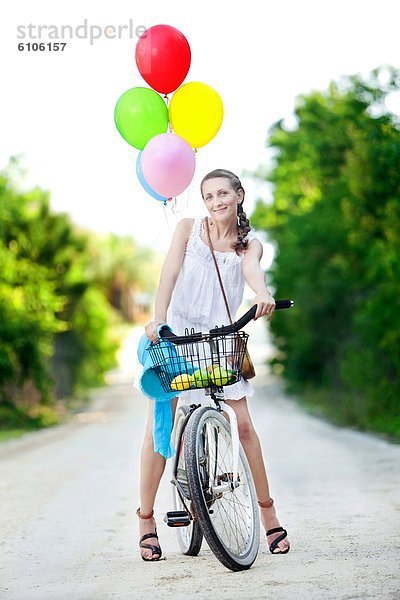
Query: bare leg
pixel 252 447
pixel 152 466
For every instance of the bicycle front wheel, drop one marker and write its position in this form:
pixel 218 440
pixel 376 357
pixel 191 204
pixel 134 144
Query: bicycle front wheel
pixel 189 538
pixel 229 519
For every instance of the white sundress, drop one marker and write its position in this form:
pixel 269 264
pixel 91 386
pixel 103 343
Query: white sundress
pixel 197 300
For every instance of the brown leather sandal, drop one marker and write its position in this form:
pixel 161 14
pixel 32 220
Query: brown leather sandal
pixel 274 544
pixel 147 536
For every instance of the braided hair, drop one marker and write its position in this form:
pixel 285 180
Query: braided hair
pixel 242 221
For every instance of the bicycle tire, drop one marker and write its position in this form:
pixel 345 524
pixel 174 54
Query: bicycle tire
pixel 190 538
pixel 229 521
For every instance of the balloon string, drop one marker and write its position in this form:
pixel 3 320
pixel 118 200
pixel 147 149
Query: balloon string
pixel 167 103
pixel 165 215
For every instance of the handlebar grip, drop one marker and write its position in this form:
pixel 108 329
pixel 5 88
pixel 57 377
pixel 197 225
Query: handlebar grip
pixel 166 334
pixel 279 304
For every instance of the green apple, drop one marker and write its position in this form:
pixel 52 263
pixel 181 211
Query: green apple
pixel 218 375
pixel 232 376
pixel 200 378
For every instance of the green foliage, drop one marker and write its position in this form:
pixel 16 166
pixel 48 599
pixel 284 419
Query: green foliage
pixel 335 221
pixel 85 352
pixel 29 302
pixel 54 319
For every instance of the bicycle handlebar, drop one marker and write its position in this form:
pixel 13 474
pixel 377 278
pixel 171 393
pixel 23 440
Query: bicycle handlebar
pixel 224 329
pixel 247 317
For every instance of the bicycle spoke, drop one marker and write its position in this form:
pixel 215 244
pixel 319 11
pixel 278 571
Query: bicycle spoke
pixel 233 526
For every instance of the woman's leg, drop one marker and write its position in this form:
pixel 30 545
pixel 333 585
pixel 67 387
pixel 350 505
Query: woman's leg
pixel 152 466
pixel 252 447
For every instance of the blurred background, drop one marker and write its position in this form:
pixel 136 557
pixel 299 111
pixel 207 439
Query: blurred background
pixel 312 126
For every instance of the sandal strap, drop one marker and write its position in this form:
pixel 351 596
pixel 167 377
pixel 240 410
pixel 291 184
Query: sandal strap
pixel 147 536
pixel 267 503
pixel 154 549
pixel 275 530
pixel 139 514
pixel 275 543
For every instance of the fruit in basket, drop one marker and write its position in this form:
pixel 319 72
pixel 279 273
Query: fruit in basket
pixel 219 375
pixel 182 382
pixel 232 376
pixel 200 378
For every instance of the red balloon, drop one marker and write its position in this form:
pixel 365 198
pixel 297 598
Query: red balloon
pixel 163 57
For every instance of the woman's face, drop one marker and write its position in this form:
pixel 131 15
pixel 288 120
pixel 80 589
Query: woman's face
pixel 220 199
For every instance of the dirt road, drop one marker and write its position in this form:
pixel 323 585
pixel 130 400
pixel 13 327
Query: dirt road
pixel 69 494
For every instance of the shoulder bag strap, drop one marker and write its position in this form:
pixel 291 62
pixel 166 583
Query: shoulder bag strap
pixel 217 268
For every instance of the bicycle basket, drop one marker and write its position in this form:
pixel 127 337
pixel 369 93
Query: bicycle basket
pixel 212 361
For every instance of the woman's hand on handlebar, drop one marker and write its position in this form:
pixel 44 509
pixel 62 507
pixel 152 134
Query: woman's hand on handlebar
pixel 265 305
pixel 151 329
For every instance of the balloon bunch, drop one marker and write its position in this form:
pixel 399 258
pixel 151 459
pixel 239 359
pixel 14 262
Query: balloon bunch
pixel 167 136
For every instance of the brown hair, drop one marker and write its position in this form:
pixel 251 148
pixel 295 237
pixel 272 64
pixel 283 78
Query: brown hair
pixel 243 222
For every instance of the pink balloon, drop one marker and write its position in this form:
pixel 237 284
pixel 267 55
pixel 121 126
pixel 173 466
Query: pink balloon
pixel 168 164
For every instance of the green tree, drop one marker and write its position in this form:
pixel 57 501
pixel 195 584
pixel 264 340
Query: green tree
pixel 335 222
pixel 46 299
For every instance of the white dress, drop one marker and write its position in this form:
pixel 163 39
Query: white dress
pixel 197 300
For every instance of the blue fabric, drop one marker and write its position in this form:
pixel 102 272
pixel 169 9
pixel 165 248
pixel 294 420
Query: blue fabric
pixel 151 386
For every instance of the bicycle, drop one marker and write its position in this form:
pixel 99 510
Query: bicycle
pixel 213 489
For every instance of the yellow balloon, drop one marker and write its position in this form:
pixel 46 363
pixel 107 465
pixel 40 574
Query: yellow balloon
pixel 196 112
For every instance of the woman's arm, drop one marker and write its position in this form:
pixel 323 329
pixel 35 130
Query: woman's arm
pixel 255 277
pixel 169 275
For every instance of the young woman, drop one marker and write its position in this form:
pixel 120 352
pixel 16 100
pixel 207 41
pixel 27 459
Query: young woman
pixel 189 295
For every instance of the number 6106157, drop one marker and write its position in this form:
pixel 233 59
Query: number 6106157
pixel 42 46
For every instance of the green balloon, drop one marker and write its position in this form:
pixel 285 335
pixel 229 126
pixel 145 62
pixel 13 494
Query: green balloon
pixel 139 115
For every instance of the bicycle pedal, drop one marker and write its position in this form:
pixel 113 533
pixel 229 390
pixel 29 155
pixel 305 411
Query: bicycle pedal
pixel 177 518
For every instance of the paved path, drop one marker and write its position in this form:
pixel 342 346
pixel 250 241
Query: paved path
pixel 68 496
